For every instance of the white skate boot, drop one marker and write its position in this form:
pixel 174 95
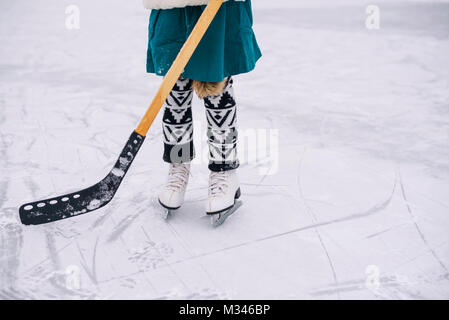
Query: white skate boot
pixel 172 195
pixel 224 190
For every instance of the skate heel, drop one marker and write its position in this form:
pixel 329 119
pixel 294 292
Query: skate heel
pixel 238 194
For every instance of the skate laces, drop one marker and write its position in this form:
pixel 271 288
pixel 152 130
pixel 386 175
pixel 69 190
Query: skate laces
pixel 218 183
pixel 177 176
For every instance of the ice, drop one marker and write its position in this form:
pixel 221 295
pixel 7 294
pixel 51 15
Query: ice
pixel 357 206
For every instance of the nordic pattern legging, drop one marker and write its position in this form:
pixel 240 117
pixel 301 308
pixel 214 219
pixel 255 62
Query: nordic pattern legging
pixel 221 114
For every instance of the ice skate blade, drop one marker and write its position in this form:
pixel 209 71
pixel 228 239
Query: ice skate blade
pixel 166 212
pixel 219 218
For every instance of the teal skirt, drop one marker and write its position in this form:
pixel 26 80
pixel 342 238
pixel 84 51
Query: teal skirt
pixel 228 48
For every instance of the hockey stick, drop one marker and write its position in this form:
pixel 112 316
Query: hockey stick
pixel 100 194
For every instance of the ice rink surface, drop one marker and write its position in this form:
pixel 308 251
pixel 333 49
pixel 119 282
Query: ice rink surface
pixel 352 202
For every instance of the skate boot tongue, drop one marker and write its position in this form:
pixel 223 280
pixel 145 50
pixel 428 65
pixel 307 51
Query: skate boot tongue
pixel 178 176
pixel 218 184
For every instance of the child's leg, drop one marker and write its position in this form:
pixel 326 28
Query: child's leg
pixel 177 128
pixel 224 186
pixel 178 124
pixel 221 112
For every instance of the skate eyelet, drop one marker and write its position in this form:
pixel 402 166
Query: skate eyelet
pixel 65 199
pixel 28 208
pixel 41 205
pixel 76 196
pixel 53 202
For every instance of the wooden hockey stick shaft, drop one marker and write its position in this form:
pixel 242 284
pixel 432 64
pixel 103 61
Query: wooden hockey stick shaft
pixel 178 65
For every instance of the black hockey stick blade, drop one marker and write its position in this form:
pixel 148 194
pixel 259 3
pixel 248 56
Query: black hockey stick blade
pixel 87 200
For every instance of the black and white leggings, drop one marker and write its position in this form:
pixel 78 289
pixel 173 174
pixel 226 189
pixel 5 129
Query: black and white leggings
pixel 221 127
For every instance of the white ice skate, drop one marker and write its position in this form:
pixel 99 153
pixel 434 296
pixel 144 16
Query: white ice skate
pixel 172 195
pixel 224 190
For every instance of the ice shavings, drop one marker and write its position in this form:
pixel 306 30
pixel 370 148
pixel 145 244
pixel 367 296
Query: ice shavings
pixel 118 172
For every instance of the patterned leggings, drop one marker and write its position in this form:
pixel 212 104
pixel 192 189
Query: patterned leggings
pixel 221 127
